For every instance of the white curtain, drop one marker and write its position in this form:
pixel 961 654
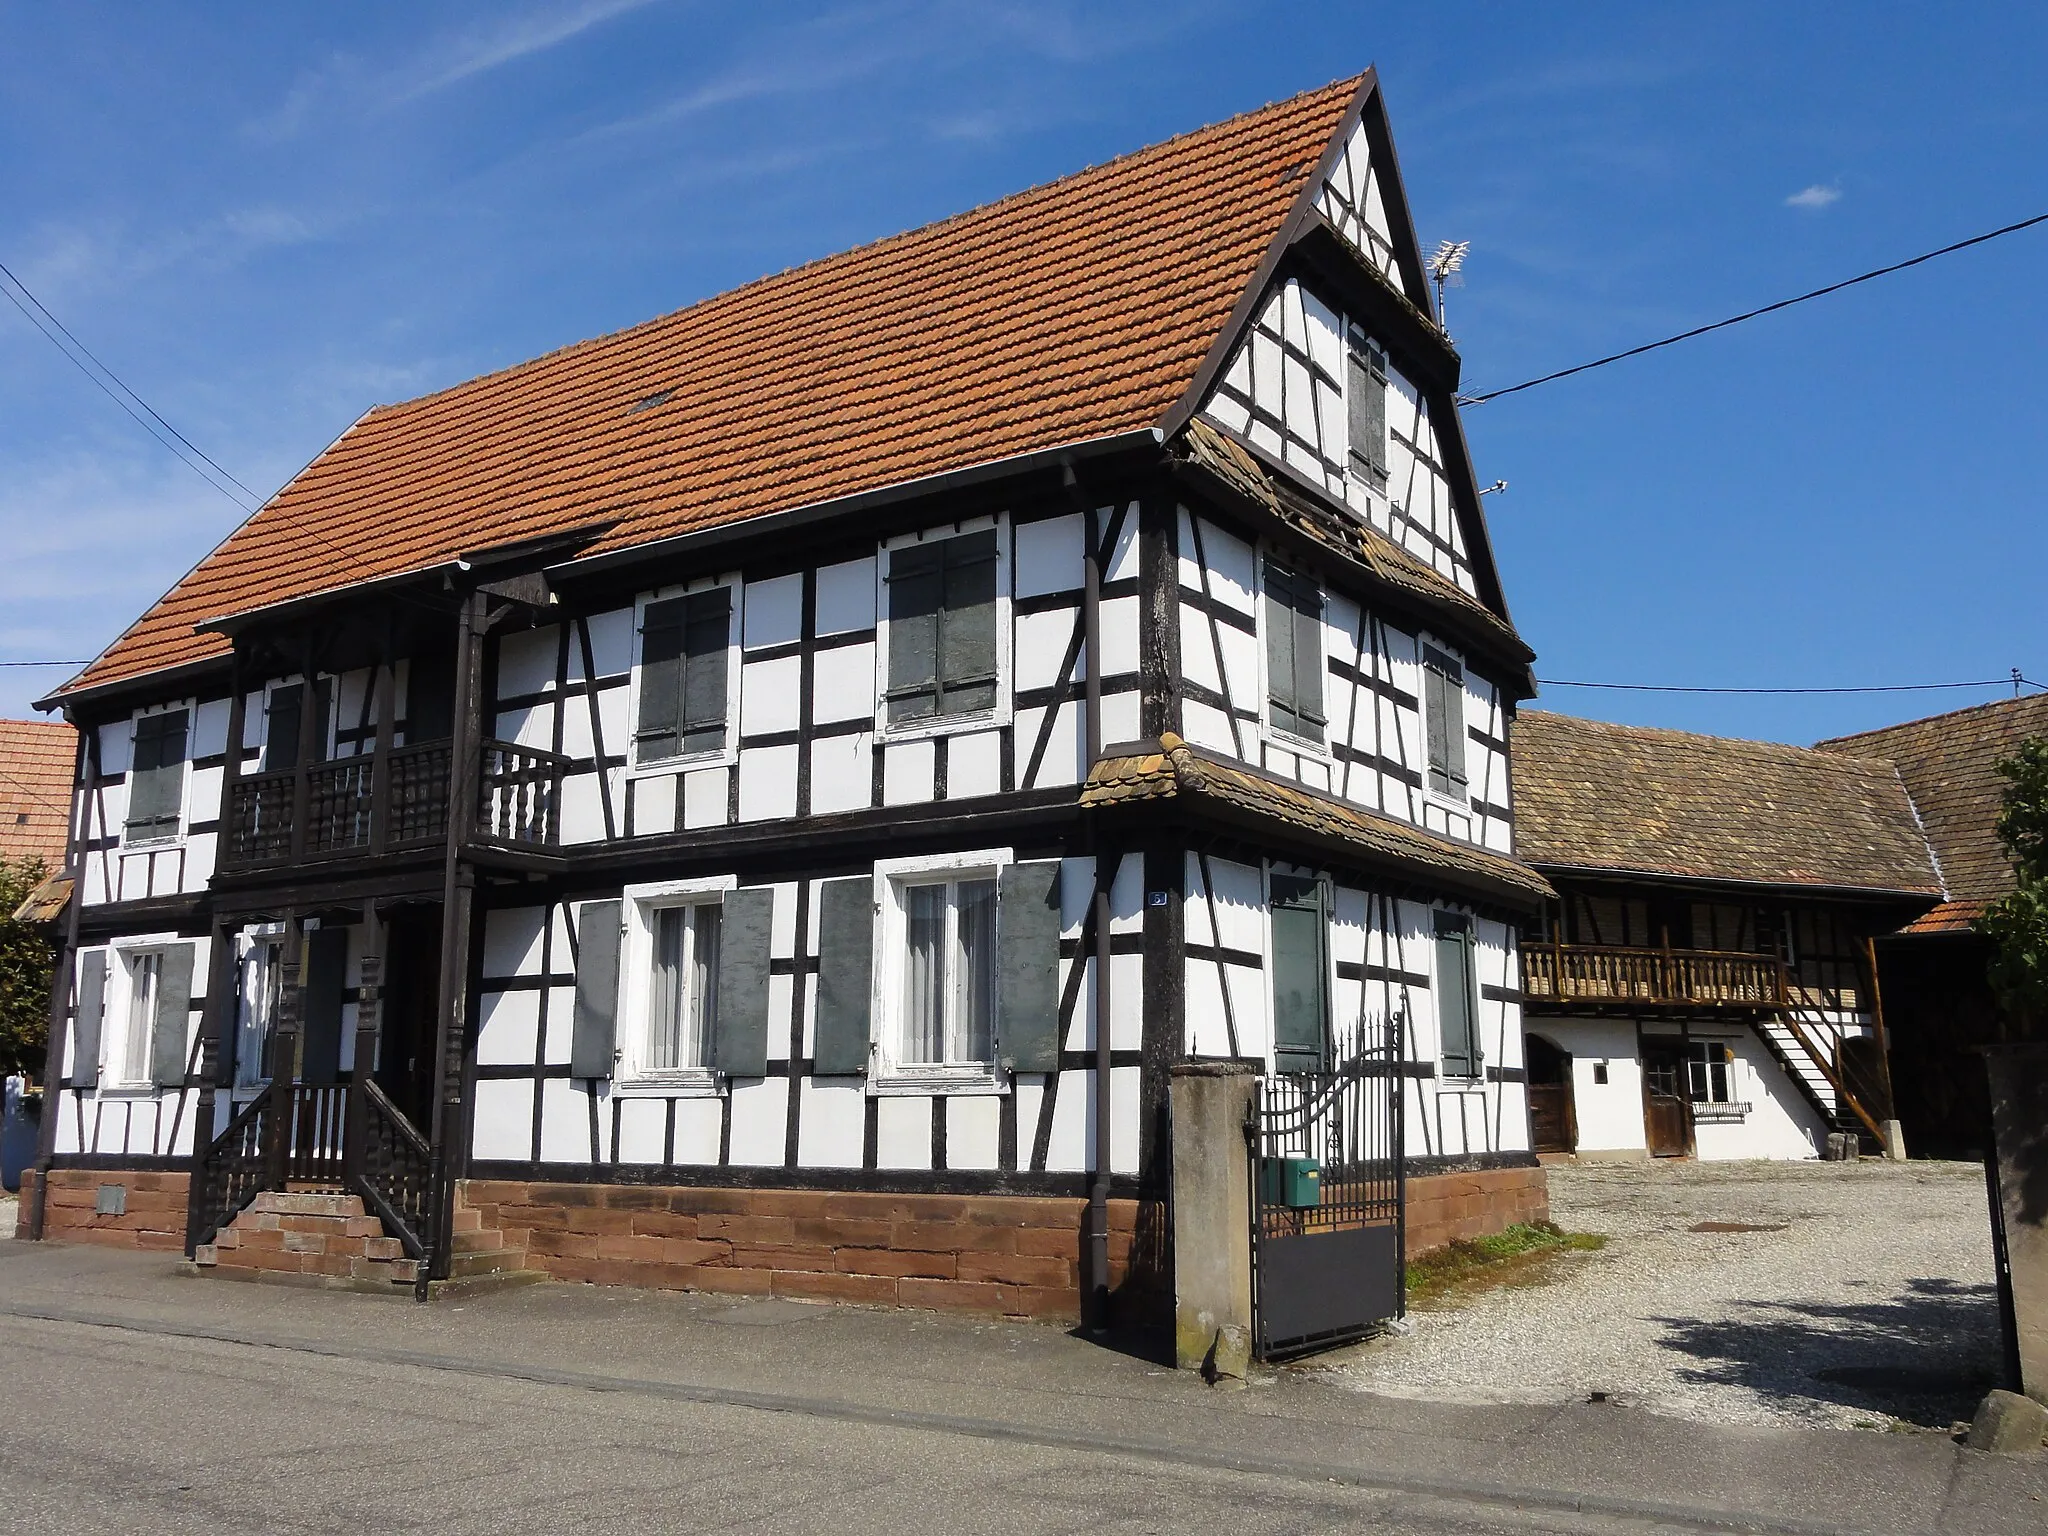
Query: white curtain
pixel 143 972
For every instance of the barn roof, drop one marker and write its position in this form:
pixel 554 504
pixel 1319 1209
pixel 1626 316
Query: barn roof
pixel 1075 311
pixel 1630 799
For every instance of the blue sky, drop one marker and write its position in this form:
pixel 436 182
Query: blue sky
pixel 268 218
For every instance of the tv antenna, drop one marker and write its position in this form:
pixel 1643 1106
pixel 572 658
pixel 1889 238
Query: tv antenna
pixel 1444 267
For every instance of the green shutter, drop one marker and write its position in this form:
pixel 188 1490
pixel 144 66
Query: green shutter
pixel 739 1032
pixel 156 776
pixel 707 634
pixel 593 1025
pixel 1280 641
pixel 1308 660
pixel 1366 411
pixel 169 1038
pixel 1456 1002
pixel 1301 1010
pixel 1028 966
pixel 916 596
pixel 320 1014
pixel 85 1024
pixel 1443 708
pixel 967 625
pixel 281 728
pixel 846 958
pixel 658 732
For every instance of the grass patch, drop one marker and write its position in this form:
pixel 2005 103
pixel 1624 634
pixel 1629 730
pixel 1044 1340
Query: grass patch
pixel 1510 1256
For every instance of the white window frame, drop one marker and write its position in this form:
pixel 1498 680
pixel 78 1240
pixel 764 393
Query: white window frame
pixel 1005 704
pixel 630 1077
pixel 119 1013
pixel 728 754
pixel 1287 741
pixel 176 839
pixel 258 936
pixel 890 1076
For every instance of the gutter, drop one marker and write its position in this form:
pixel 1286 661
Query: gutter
pixel 1618 873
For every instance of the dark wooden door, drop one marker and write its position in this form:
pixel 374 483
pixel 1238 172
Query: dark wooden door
pixel 412 979
pixel 1553 1124
pixel 1667 1124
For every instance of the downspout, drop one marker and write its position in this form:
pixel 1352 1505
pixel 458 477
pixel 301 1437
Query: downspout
pixel 1098 1188
pixel 84 778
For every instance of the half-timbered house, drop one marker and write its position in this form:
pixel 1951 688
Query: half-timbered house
pixel 762 800
pixel 1704 984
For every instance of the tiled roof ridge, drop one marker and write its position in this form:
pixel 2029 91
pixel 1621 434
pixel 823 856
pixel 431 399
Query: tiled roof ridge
pixel 867 247
pixel 1791 750
pixel 1834 743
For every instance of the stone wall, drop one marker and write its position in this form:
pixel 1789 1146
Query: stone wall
pixel 1445 1207
pixel 154 1218
pixel 995 1255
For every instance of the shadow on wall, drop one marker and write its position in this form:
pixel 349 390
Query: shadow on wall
pixel 1927 1356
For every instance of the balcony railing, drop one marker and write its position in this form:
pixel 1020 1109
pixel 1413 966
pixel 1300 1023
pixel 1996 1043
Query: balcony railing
pixel 1654 978
pixel 518 801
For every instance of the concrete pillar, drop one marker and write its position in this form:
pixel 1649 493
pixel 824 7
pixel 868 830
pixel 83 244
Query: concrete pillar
pixel 2019 1185
pixel 1212 1235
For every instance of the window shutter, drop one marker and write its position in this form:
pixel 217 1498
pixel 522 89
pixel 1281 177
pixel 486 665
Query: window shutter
pixel 1028 966
pixel 1458 1038
pixel 1308 660
pixel 1280 642
pixel 85 1027
pixel 1300 976
pixel 739 1038
pixel 916 594
pixel 1366 400
pixel 846 959
pixel 156 775
pixel 281 728
pixel 1443 706
pixel 169 1031
pixel 967 625
pixel 430 697
pixel 593 1025
pixel 320 1015
pixel 658 733
pixel 707 632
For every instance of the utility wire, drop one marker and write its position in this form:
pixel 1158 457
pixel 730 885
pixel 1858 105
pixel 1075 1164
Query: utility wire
pixel 41 663
pixel 1719 325
pixel 1990 682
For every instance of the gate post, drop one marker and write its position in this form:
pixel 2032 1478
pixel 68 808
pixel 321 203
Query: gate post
pixel 1212 1221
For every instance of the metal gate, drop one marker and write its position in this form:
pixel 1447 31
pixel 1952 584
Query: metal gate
pixel 1327 1195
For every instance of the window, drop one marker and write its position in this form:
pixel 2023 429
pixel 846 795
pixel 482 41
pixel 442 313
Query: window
pixel 1366 408
pixel 949 974
pixel 685 676
pixel 145 980
pixel 1298 909
pixel 1294 654
pixel 1457 996
pixel 262 976
pixel 1710 1081
pixel 665 982
pixel 282 719
pixel 156 777
pixel 1443 717
pixel 942 629
pixel 682 993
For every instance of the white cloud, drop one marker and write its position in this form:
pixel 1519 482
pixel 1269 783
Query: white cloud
pixel 1815 196
pixel 486 48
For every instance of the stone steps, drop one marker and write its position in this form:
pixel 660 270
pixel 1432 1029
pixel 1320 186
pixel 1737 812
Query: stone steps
pixel 304 1237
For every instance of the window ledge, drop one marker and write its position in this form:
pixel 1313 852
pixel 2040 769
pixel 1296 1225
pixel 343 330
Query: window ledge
pixel 940 1083
pixel 944 725
pixel 669 1085
pixel 724 757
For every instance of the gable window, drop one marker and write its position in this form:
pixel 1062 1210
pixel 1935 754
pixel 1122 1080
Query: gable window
pixel 156 777
pixel 1365 392
pixel 1299 912
pixel 1294 654
pixel 1443 715
pixel 685 676
pixel 1457 996
pixel 942 629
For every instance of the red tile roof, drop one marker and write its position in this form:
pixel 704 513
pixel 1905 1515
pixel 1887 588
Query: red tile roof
pixel 1076 310
pixel 37 759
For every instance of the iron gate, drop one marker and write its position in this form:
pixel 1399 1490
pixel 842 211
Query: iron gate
pixel 1327 1195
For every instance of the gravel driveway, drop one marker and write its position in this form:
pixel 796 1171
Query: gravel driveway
pixel 1870 1298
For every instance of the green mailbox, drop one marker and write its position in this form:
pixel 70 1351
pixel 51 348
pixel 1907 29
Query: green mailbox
pixel 1294 1181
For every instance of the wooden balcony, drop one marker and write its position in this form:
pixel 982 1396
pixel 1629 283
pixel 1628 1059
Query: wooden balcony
pixel 1691 979
pixel 357 807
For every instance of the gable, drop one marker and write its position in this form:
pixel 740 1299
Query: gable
pixel 1076 311
pixel 1352 199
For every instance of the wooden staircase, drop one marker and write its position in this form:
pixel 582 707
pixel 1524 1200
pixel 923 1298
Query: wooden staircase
pixel 322 1238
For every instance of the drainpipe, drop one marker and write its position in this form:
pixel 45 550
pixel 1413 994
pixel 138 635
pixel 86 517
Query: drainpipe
pixel 1097 1309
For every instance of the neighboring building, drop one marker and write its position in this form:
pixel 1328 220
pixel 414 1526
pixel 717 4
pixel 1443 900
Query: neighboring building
pixel 1703 984
pixel 1938 1002
pixel 38 760
pixel 682 805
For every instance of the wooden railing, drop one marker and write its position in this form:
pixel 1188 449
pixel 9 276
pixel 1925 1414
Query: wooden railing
pixel 519 800
pixel 234 1169
pixel 1656 978
pixel 391 1167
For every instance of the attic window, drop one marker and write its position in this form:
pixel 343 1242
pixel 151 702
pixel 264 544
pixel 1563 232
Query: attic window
pixel 659 397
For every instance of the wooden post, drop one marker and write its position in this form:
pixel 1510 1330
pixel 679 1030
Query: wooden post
pixel 369 1014
pixel 222 995
pixel 231 762
pixel 380 763
pixel 302 758
pixel 1894 1135
pixel 284 1052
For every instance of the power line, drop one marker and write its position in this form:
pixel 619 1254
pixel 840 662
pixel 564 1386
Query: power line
pixel 1719 325
pixel 1989 682
pixel 41 663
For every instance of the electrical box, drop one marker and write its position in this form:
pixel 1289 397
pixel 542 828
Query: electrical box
pixel 1292 1181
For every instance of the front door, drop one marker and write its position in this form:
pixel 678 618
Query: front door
pixel 1667 1124
pixel 1552 1124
